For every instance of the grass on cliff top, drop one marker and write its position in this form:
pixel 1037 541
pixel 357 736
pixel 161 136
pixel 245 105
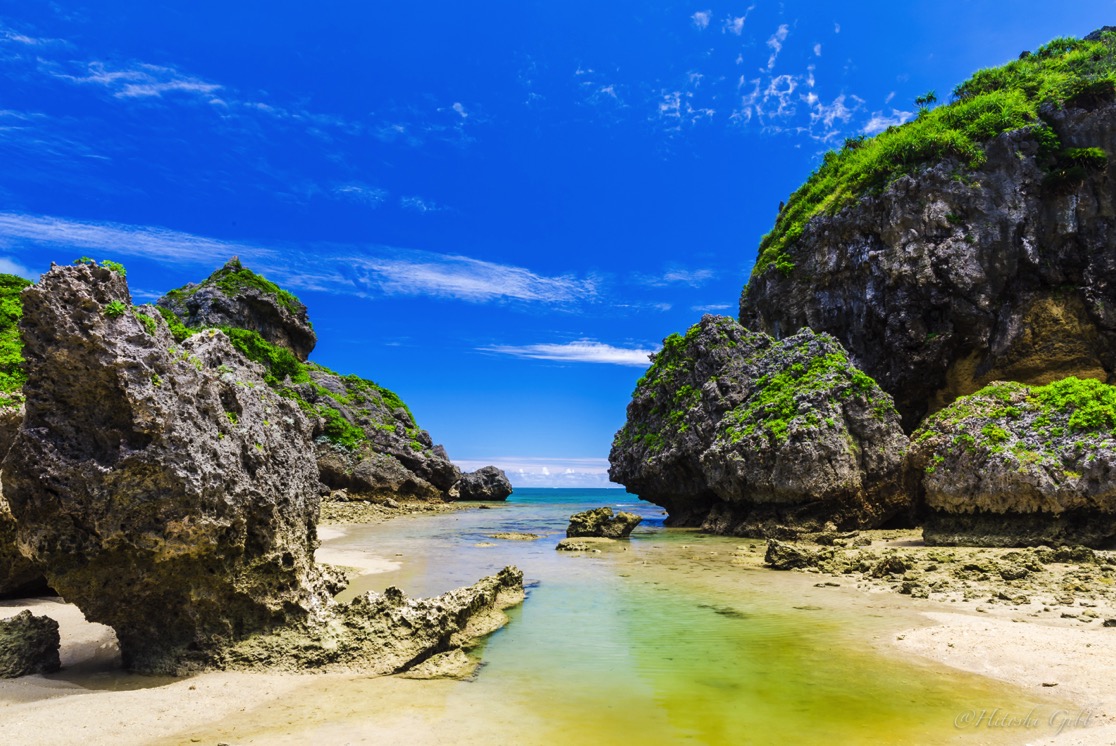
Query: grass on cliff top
pixel 12 375
pixel 235 277
pixel 991 102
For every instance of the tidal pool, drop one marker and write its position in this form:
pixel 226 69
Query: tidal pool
pixel 671 637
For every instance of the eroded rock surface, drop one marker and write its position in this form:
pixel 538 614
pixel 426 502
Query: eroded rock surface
pixel 957 276
pixel 235 296
pixel 602 522
pixel 165 489
pixel 386 633
pixel 1017 465
pixel 487 483
pixel 28 644
pixel 741 434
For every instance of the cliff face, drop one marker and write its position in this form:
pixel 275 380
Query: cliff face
pixel 741 433
pixel 163 487
pixel 953 278
pixel 1019 465
pixel 996 260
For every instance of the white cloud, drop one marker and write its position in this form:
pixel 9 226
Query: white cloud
pixel 675 276
pixel 368 195
pixel 543 471
pixel 581 351
pixel 418 204
pixel 701 18
pixel 890 98
pixel 817 50
pixel 140 80
pixel 735 25
pixel 463 278
pixel 712 308
pixel 10 266
pixel 776 44
pixel 836 28
pixel 361 271
pixel 460 109
pixel 880 121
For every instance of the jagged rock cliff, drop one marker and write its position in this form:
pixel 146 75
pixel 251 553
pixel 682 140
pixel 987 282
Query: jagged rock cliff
pixel 741 433
pixel 365 438
pixel 974 244
pixel 164 488
pixel 237 297
pixel 1015 465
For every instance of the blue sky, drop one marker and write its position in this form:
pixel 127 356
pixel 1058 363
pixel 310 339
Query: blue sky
pixel 496 209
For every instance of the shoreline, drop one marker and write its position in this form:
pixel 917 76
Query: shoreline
pixel 94 702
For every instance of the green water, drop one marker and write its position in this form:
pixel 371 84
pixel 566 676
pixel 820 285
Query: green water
pixel 672 640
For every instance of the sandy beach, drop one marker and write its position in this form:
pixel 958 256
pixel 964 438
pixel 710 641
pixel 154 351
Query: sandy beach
pixel 1060 662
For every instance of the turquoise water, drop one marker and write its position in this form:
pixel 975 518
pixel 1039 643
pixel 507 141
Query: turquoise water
pixel 671 638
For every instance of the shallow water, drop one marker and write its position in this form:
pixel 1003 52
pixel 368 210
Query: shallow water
pixel 669 639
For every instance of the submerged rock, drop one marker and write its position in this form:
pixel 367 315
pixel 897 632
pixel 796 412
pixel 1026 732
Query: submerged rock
pixel 986 263
pixel 487 483
pixel 601 522
pixel 1017 465
pixel 235 296
pixel 387 633
pixel 28 644
pixel 743 434
pixel 164 488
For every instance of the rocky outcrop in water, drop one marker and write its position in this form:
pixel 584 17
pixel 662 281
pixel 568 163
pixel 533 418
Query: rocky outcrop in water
pixel 28 644
pixel 740 433
pixel 237 297
pixel 957 276
pixel 163 486
pixel 487 483
pixel 1016 465
pixel 387 633
pixel 602 522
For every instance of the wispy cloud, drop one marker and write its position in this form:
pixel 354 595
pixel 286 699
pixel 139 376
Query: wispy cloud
pixel 677 276
pixel 418 204
pixel 701 18
pixel 139 80
pixel 10 266
pixel 711 308
pixel 776 44
pixel 362 193
pixel 372 271
pixel 880 121
pixel 580 351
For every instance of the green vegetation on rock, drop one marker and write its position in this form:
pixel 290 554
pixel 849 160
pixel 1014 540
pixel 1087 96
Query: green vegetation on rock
pixel 990 103
pixel 234 278
pixel 12 375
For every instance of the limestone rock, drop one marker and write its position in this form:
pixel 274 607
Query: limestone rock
pixel 601 522
pixel 28 644
pixel 235 296
pixel 368 443
pixel 385 633
pixel 783 556
pixel 743 434
pixel 487 483
pixel 166 490
pixel 1018 465
pixel 19 577
pixel 586 544
pixel 956 276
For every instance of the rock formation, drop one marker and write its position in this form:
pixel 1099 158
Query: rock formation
pixel 942 266
pixel 365 438
pixel 487 483
pixel 28 644
pixel 1016 465
pixel 603 523
pixel 237 297
pixel 740 433
pixel 165 489
pixel 386 633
